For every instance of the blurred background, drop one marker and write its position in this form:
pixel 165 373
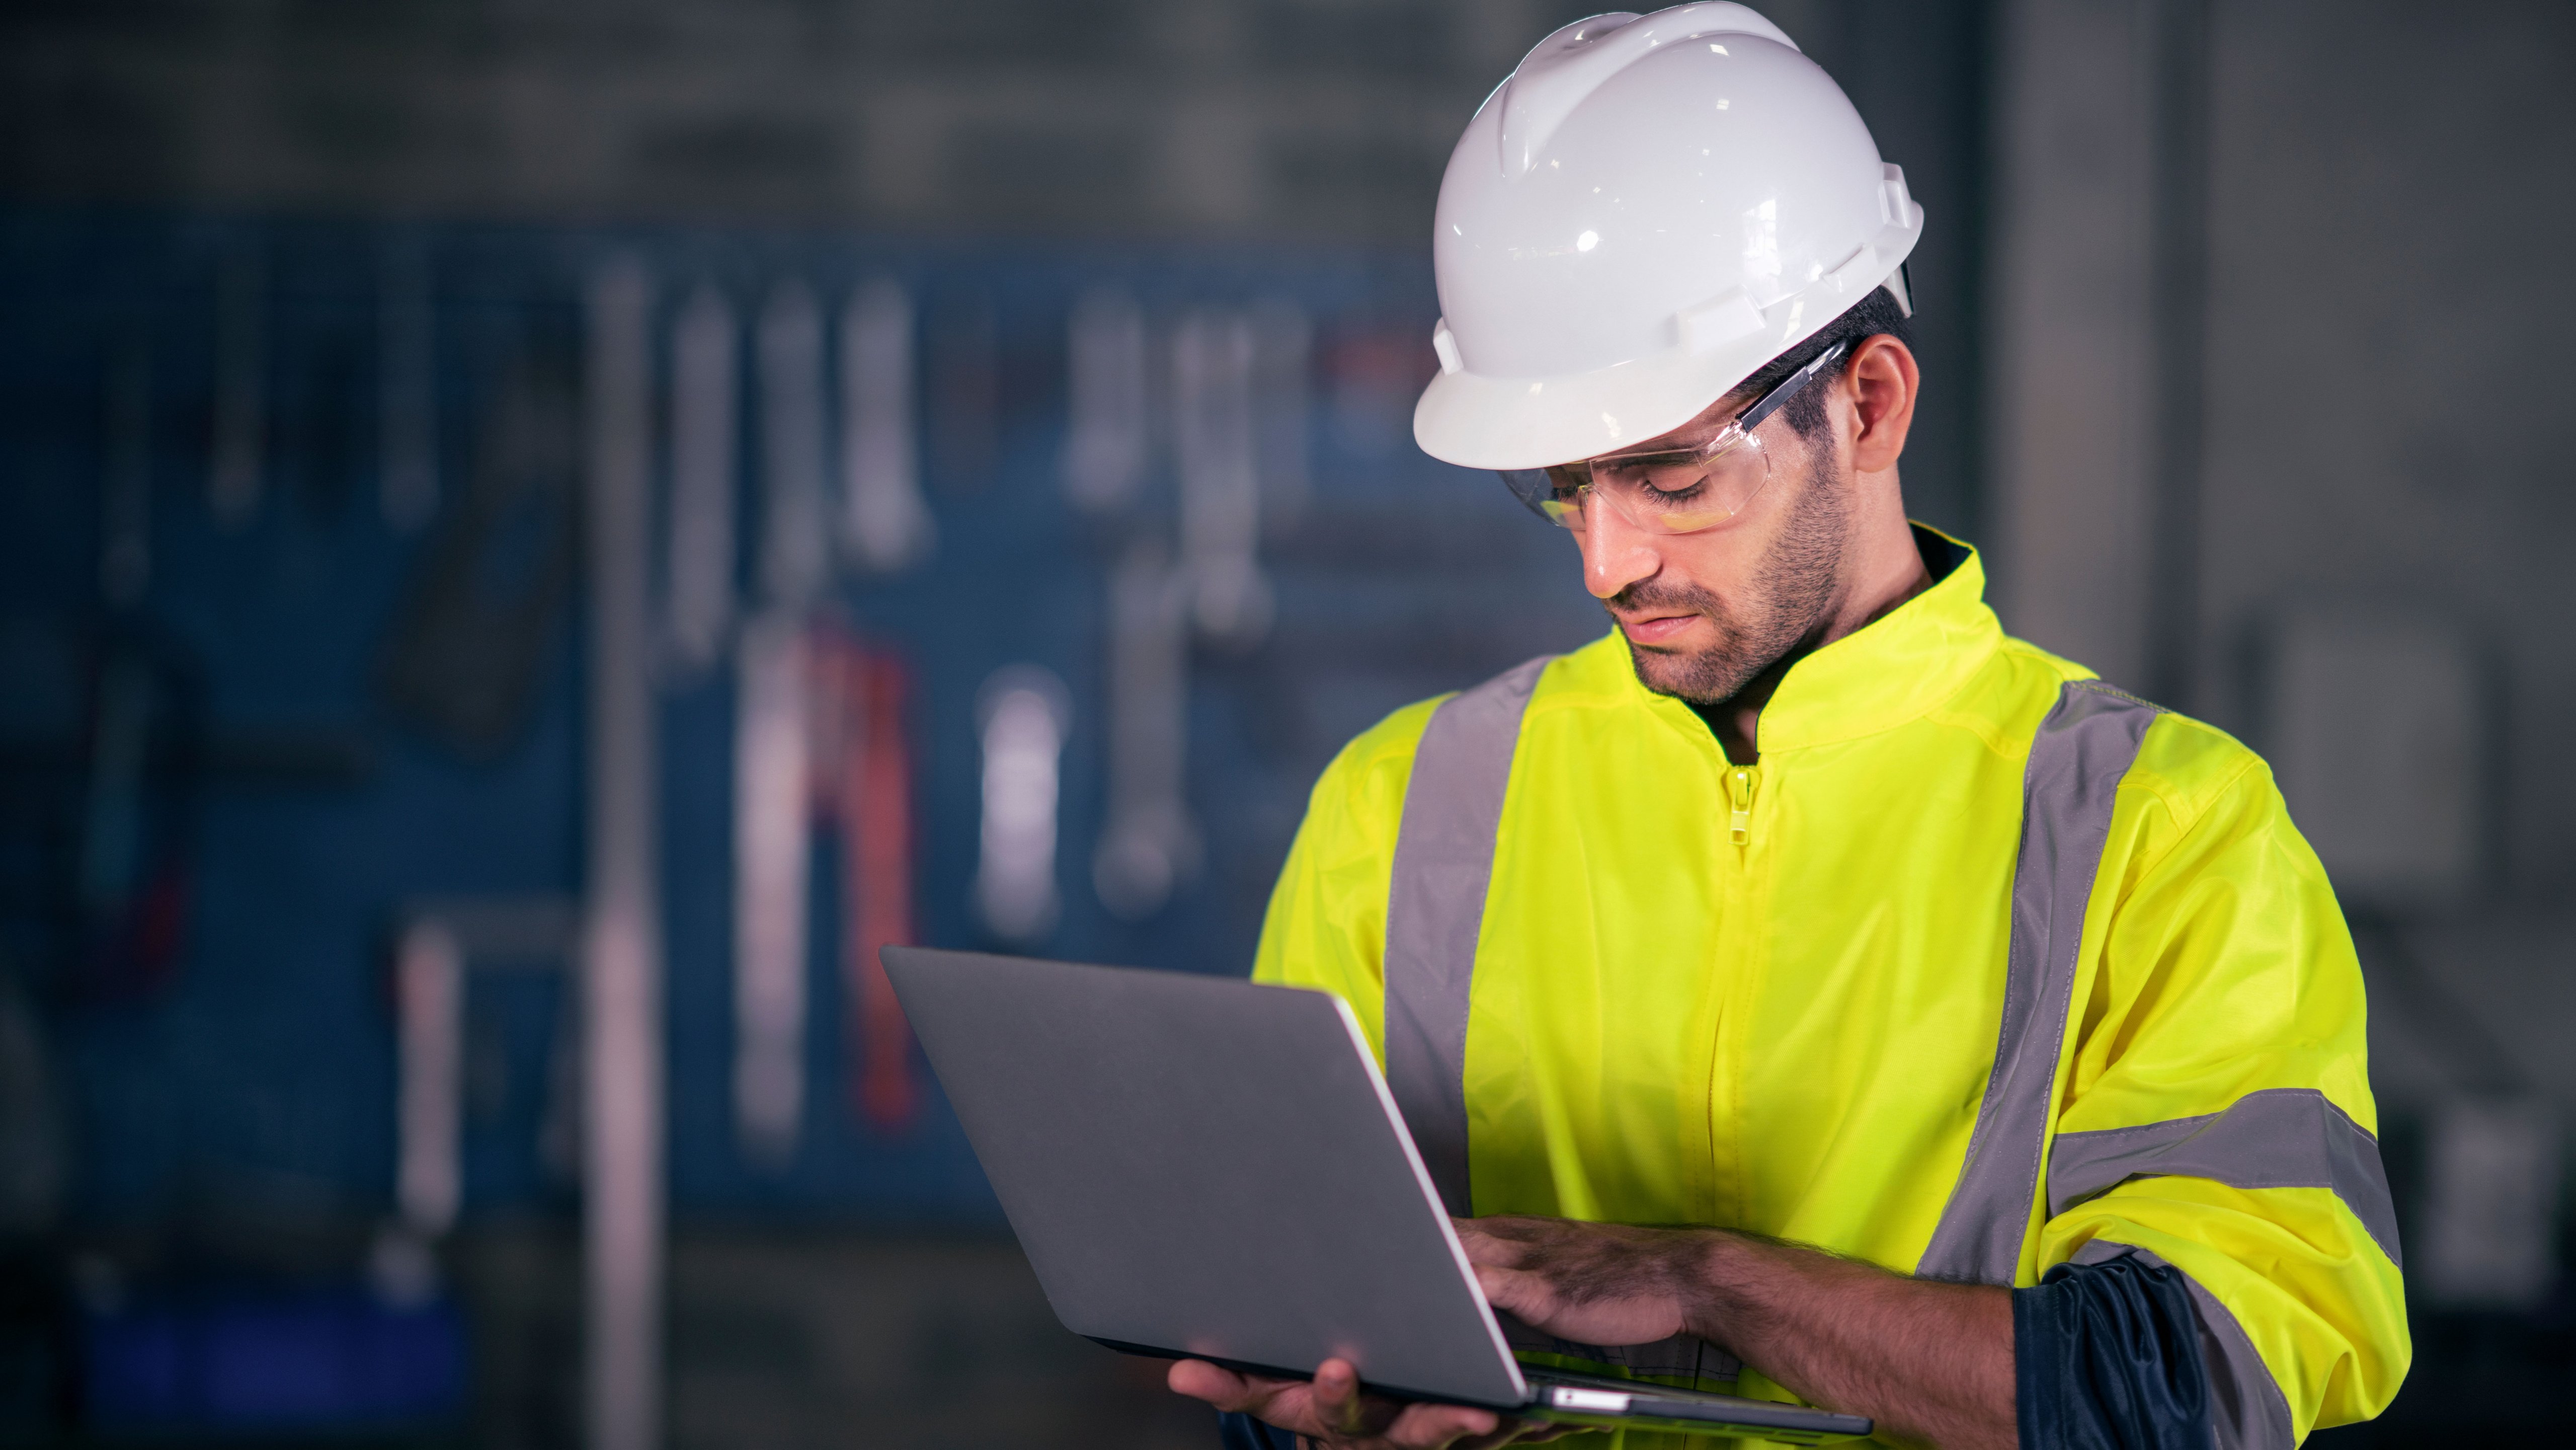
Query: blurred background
pixel 532 538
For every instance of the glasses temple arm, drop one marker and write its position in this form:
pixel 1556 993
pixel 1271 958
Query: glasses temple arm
pixel 1787 388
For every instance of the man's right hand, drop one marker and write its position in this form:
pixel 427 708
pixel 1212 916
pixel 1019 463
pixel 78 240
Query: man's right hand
pixel 1332 1414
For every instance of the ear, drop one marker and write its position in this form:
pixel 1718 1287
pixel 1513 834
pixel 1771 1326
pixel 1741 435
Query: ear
pixel 1881 379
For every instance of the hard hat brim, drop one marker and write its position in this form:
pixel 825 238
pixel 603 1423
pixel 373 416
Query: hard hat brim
pixel 1475 421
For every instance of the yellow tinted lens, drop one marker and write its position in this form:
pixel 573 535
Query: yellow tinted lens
pixel 1564 506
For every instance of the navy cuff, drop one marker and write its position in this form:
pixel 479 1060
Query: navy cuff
pixel 2107 1357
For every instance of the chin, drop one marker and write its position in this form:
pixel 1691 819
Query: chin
pixel 1664 671
pixel 1701 676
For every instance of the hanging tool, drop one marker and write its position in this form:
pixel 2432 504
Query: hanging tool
pixel 144 747
pixel 773 757
pixel 131 874
pixel 1150 843
pixel 1213 441
pixel 876 836
pixel 771 786
pixel 1021 715
pixel 705 408
pixel 479 616
pixel 885 526
pixel 439 944
pixel 862 788
pixel 624 1126
pixel 795 542
pixel 1105 440
pixel 429 1018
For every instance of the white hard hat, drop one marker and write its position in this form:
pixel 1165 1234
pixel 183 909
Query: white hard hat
pixel 1646 212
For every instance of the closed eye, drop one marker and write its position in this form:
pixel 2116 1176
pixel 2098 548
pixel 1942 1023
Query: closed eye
pixel 1671 458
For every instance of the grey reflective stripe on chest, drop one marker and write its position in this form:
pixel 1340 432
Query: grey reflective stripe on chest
pixel 2077 759
pixel 1435 910
pixel 1435 907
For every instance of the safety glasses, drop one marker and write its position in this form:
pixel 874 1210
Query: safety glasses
pixel 1670 490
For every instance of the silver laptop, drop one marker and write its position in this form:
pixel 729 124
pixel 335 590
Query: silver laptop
pixel 1204 1167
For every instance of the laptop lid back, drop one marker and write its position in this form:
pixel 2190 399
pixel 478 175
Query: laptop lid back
pixel 1155 1139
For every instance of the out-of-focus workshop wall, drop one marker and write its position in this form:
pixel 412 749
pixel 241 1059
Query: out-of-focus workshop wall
pixel 1313 121
pixel 2277 396
pixel 304 312
pixel 2238 323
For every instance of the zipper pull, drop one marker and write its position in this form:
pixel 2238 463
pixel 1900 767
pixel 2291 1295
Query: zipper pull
pixel 1739 795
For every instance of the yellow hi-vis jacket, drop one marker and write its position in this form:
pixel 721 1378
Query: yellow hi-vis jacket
pixel 1985 967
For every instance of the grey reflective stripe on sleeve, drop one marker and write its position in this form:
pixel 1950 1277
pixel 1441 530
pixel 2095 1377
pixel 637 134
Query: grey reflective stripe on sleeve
pixel 1435 906
pixel 2077 759
pixel 2247 1410
pixel 2275 1138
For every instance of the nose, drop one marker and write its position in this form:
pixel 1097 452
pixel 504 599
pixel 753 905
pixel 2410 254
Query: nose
pixel 1616 553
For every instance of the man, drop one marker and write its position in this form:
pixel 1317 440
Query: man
pixel 1808 990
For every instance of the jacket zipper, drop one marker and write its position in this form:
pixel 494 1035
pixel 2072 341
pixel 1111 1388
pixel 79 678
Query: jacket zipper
pixel 1737 959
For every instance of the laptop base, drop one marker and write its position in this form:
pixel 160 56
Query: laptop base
pixel 1562 1397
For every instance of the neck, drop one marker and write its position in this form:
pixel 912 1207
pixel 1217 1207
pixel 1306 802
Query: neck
pixel 1880 569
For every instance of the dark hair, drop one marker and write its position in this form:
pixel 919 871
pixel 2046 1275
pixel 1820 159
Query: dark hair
pixel 1878 312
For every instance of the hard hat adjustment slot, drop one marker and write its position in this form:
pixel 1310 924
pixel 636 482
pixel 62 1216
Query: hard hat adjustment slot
pixel 1895 203
pixel 1446 347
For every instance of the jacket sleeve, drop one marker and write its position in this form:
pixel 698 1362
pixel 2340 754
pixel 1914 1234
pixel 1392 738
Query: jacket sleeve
pixel 2217 1114
pixel 1327 921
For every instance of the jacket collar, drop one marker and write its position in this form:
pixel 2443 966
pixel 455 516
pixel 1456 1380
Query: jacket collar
pixel 1895 669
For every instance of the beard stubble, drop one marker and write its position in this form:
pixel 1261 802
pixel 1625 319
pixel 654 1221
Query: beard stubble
pixel 1783 604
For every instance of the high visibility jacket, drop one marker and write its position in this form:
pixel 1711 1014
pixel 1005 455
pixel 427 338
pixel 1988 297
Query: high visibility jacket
pixel 1983 968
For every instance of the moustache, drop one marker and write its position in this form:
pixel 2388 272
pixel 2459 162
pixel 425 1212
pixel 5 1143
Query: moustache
pixel 1659 596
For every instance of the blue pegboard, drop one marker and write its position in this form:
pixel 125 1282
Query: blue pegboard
pixel 262 1075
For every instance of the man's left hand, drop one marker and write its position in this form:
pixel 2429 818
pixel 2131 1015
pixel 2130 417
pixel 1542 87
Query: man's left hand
pixel 1594 1283
pixel 1930 1362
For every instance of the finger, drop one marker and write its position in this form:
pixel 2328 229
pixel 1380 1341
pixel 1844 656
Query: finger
pixel 1491 1241
pixel 1516 1291
pixel 1439 1427
pixel 1201 1380
pixel 1482 1247
pixel 1336 1396
pixel 1223 1388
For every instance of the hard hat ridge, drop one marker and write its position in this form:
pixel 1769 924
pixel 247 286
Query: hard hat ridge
pixel 1646 212
pixel 1573 61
